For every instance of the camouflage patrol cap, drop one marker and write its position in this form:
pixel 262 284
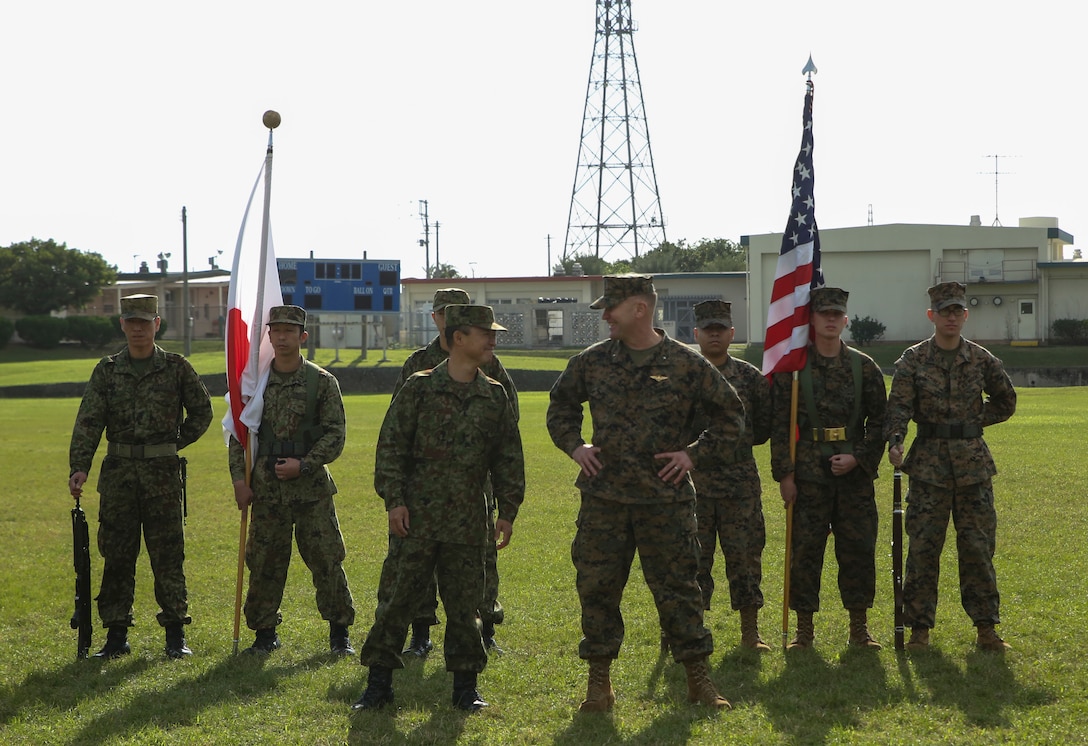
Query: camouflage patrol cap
pixel 287 315
pixel 458 314
pixel 829 299
pixel 140 306
pixel 947 294
pixel 449 296
pixel 618 288
pixel 713 313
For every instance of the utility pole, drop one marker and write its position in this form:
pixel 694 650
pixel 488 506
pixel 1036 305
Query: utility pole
pixel 185 317
pixel 437 261
pixel 426 240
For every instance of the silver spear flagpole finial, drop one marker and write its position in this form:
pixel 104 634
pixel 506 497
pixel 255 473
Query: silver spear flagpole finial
pixel 810 67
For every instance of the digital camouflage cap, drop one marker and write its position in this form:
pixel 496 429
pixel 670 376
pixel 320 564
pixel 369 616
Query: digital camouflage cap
pixel 449 296
pixel 618 288
pixel 714 313
pixel 947 294
pixel 466 315
pixel 287 315
pixel 829 299
pixel 140 307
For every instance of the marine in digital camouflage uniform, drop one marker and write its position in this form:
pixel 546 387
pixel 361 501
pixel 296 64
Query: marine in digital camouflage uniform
pixel 645 392
pixel 302 430
pixel 151 404
pixel 952 388
pixel 830 484
pixel 729 496
pixel 491 612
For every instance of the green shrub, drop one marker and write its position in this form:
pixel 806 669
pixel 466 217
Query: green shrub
pixel 7 328
pixel 90 331
pixel 866 330
pixel 45 332
pixel 1070 331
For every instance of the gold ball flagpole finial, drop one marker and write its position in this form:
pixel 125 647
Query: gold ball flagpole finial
pixel 271 119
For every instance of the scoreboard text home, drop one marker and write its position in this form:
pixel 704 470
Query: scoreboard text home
pixel 341 285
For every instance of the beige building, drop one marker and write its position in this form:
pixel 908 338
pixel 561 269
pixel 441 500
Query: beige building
pixel 1018 279
pixel 554 311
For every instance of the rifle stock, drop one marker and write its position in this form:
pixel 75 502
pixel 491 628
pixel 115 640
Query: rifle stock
pixel 81 557
pixel 897 549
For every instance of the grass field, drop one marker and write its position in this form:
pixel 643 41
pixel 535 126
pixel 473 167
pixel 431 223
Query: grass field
pixel 950 695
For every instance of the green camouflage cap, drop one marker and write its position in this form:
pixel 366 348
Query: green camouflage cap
pixel 618 288
pixel 829 299
pixel 287 315
pixel 947 294
pixel 140 307
pixel 714 313
pixel 458 314
pixel 449 296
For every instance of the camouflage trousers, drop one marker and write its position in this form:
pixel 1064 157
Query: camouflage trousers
pixel 268 555
pixel 603 549
pixel 845 507
pixel 736 522
pixel 137 497
pixel 490 612
pixel 975 520
pixel 412 563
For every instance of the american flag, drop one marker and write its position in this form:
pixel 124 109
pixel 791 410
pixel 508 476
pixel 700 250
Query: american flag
pixel 798 271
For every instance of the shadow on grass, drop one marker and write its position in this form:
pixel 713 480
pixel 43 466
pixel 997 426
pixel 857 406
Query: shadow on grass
pixel 414 692
pixel 238 678
pixel 984 692
pixel 812 697
pixel 65 687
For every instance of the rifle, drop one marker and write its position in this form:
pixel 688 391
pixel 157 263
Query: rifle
pixel 897 548
pixel 183 464
pixel 81 556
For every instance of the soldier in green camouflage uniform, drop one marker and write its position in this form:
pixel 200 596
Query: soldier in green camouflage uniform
pixel 445 431
pixel 302 429
pixel 151 404
pixel 645 391
pixel 729 496
pixel 491 612
pixel 953 388
pixel 840 417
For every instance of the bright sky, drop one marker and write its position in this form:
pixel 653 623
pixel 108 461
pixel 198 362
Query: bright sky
pixel 119 113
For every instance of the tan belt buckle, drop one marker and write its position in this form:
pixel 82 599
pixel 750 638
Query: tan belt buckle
pixel 834 434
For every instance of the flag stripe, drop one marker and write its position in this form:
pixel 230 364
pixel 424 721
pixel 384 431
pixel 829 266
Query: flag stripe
pixel 798 271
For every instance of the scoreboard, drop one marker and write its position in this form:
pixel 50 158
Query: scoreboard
pixel 341 285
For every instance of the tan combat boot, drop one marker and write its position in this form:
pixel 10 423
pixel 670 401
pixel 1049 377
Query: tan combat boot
pixel 919 638
pixel 701 689
pixel 806 634
pixel 859 630
pixel 988 639
pixel 599 693
pixel 749 630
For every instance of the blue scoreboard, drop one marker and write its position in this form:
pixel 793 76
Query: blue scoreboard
pixel 341 285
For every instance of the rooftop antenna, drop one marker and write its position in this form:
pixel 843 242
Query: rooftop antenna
pixel 996 173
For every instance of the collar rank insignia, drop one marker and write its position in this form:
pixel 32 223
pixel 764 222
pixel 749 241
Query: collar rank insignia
pixel 659 379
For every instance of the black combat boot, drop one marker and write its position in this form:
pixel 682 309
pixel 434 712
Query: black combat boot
pixel 487 631
pixel 339 643
pixel 379 690
pixel 116 644
pixel 465 696
pixel 265 642
pixel 420 644
pixel 175 642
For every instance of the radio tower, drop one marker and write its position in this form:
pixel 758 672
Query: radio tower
pixel 615 201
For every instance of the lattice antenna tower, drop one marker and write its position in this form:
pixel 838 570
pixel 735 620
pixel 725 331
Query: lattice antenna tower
pixel 615 201
pixel 996 172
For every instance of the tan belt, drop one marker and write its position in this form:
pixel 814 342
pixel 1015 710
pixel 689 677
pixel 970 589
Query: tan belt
pixel 829 434
pixel 125 450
